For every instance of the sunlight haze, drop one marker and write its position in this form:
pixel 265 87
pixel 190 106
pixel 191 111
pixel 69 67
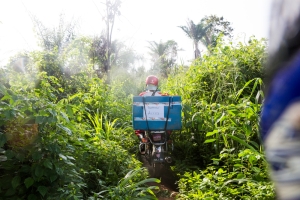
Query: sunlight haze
pixel 140 21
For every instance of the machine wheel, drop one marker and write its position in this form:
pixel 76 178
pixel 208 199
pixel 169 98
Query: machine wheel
pixel 156 170
pixel 148 154
pixel 156 167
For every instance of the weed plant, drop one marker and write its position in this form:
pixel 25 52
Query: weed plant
pixel 218 152
pixel 85 145
pixel 81 149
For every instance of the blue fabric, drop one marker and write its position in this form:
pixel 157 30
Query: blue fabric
pixel 284 89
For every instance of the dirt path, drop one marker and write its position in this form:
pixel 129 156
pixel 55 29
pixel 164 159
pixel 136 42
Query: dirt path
pixel 168 188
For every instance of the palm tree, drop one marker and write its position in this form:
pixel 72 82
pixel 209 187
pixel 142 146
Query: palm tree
pixel 196 32
pixel 218 25
pixel 163 55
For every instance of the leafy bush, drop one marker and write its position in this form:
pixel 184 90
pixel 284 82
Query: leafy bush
pixel 128 188
pixel 221 96
pixel 220 100
pixel 81 145
pixel 218 77
pixel 68 159
pixel 242 176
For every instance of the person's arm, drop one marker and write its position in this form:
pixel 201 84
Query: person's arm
pixel 142 93
pixel 163 94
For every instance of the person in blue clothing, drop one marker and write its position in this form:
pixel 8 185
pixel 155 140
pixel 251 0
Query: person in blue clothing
pixel 280 117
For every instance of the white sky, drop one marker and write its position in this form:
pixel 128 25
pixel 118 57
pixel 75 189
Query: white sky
pixel 140 20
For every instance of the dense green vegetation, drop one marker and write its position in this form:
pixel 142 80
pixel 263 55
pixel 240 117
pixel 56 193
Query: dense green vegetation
pixel 65 116
pixel 219 153
pixel 80 149
pixel 70 136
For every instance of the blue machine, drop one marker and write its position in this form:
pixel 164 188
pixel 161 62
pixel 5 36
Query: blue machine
pixel 156 113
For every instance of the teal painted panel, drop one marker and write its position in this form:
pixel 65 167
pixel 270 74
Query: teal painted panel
pixel 156 113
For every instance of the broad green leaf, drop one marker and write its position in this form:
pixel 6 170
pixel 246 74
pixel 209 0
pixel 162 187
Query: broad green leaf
pixel 2 139
pixel 238 165
pixel 69 111
pixel 53 178
pixel 220 171
pixel 3 158
pixel 16 181
pixel 25 168
pixel 2 89
pixel 70 157
pixel 62 156
pixel 40 119
pixel 240 176
pixel 211 133
pixel 54 148
pixel 32 197
pixel 9 154
pixel 37 155
pixel 59 171
pixel 69 163
pixel 209 140
pixel 256 169
pixel 52 111
pixel 68 131
pixel 65 116
pixel 48 164
pixel 39 171
pixel 10 192
pixel 42 190
pixel 252 159
pixel 51 119
pixel 28 182
pixel 20 157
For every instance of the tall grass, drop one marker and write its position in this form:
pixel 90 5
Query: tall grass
pixel 103 127
pixel 129 188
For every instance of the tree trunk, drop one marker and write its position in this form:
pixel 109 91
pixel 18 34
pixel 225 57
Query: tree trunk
pixel 107 70
pixel 197 51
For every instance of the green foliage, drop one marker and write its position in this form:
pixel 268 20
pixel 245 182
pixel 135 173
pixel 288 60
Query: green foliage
pixel 68 159
pixel 64 76
pixel 38 169
pixel 196 32
pixel 217 78
pixel 128 188
pixel 220 102
pixel 65 134
pixel 56 37
pixel 217 27
pixel 243 176
pixel 221 95
pixel 163 56
pixel 103 130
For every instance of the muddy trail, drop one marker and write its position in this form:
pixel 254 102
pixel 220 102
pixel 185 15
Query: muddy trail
pixel 167 187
